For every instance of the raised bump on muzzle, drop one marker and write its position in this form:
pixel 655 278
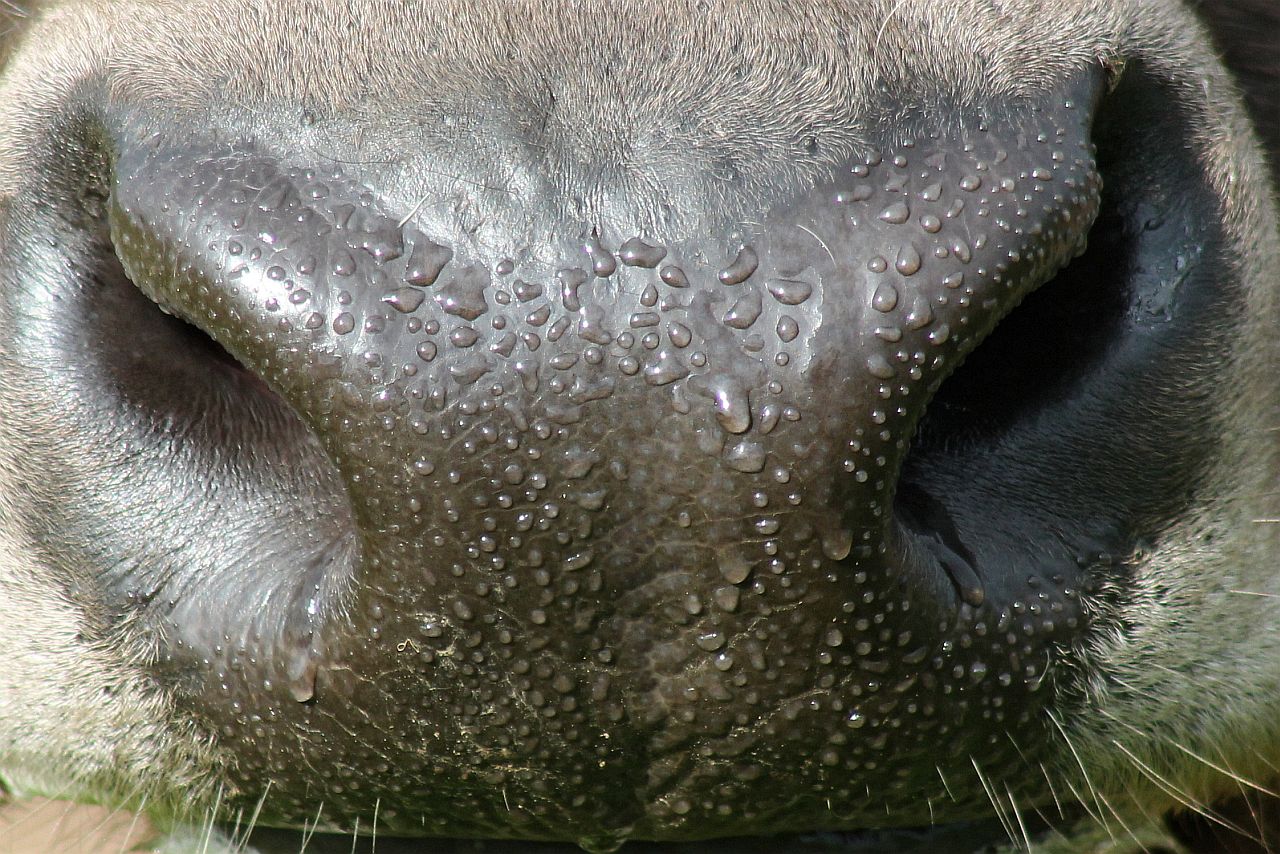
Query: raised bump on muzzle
pixel 617 460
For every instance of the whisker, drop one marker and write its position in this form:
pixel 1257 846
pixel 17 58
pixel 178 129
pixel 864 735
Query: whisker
pixel 995 802
pixel 1052 790
pixel 1115 813
pixel 1181 796
pixel 133 826
pixel 212 813
pixel 1243 782
pixel 1093 790
pixel 1017 814
pixel 945 785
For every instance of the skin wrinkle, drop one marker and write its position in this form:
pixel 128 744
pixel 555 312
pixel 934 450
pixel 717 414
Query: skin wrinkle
pixel 345 58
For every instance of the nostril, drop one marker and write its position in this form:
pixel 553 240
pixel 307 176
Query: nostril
pixel 1072 431
pixel 1038 352
pixel 235 464
pixel 166 367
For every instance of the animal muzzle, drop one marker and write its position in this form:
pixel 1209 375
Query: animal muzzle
pixel 623 509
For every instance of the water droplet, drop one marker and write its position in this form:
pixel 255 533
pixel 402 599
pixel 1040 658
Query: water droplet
pixel 505 345
pixel 727 598
pixel 301 675
pixel 920 314
pixel 603 263
pixel 741 268
pixel 787 329
pixel 579 560
pixel 591 326
pixel 908 263
pixel 468 374
pixel 384 243
pixel 770 413
pixel 710 641
pixel 665 369
pixel 426 261
pixel 679 334
pixel 343 264
pixel 463 294
pixel 571 280
pixel 674 277
pixel 557 329
pixel 836 544
pixel 734 568
pixel 790 291
pixel 642 319
pixel 636 253
pixel 895 213
pixel 892 334
pixel 526 291
pixel 745 311
pixel 732 402
pixel 463 336
pixel 747 457
pixel 528 373
pixel 885 298
pixel 404 300
pixel 879 367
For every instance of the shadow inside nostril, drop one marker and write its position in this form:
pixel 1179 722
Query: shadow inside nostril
pixel 158 357
pixel 935 533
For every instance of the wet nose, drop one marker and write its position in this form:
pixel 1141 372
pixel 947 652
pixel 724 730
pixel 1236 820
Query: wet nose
pixel 667 463
pixel 615 402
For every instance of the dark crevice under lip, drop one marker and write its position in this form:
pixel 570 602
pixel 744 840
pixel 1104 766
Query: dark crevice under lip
pixel 971 837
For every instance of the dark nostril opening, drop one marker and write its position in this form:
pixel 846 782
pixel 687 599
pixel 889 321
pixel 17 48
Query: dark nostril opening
pixel 1032 363
pixel 160 361
pixel 935 532
pixel 233 450
pixel 1038 354
pixel 150 338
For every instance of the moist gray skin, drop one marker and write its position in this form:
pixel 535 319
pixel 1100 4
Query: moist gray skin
pixel 657 424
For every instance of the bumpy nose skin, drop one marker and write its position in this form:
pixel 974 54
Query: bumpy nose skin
pixel 625 507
